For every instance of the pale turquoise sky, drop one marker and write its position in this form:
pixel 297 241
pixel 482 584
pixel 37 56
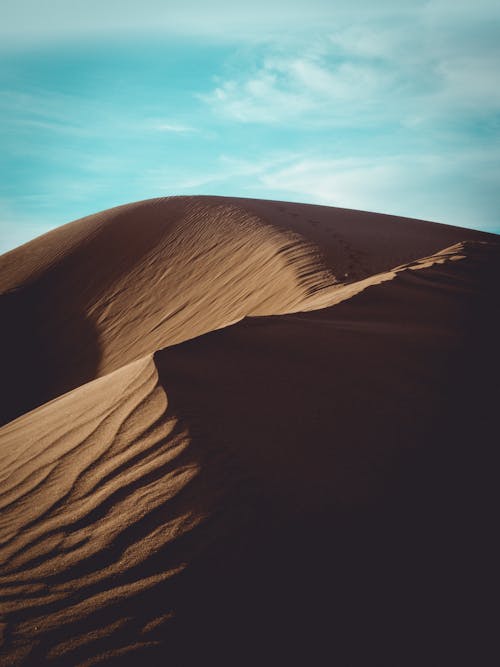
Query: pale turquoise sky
pixel 387 106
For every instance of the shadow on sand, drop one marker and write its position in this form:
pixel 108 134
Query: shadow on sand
pixel 363 434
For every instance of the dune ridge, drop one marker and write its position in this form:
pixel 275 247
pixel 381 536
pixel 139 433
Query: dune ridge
pixel 194 267
pixel 267 459
pixel 180 266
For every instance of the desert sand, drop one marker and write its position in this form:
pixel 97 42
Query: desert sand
pixel 246 432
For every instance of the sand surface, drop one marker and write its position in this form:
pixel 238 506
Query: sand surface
pixel 240 432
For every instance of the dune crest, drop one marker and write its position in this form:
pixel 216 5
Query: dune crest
pixel 140 278
pixel 98 293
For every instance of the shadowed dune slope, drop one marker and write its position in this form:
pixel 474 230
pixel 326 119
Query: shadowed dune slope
pixel 98 293
pixel 309 488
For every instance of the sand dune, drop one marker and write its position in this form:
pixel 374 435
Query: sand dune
pixel 260 459
pixel 93 295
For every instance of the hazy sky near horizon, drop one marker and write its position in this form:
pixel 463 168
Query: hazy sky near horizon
pixel 389 106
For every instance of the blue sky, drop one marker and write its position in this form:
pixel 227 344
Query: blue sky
pixel 387 106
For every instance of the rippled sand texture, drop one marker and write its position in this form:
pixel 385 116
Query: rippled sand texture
pixel 241 432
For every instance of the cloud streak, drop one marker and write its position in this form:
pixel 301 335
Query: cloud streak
pixel 413 185
pixel 307 88
pixel 177 128
pixel 221 20
pixel 402 73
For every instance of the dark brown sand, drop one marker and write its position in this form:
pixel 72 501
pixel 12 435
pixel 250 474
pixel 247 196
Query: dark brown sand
pixel 277 444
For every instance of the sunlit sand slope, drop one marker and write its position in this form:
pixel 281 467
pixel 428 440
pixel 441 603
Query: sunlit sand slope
pixel 96 498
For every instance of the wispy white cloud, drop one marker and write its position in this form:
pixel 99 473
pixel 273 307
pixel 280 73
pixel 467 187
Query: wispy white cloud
pixel 223 20
pixel 422 64
pixel 77 116
pixel 170 126
pixel 225 169
pixel 414 185
pixel 35 109
pixel 364 182
pixel 38 105
pixel 285 89
pixel 470 83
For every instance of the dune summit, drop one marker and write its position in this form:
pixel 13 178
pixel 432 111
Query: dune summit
pixel 242 432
